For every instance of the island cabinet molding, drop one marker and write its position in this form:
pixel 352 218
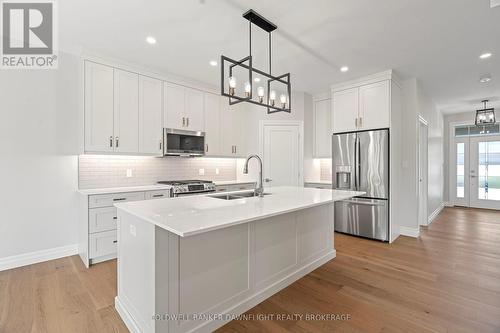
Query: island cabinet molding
pixel 221 259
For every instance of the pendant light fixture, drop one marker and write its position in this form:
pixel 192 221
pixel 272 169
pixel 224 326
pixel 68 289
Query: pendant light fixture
pixel 485 116
pixel 242 90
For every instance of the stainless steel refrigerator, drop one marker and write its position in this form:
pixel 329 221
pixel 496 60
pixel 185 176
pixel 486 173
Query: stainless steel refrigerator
pixel 360 161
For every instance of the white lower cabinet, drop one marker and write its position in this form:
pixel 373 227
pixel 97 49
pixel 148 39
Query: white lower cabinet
pixel 98 238
pixel 103 244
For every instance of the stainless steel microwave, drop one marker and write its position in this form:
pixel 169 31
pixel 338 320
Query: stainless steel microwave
pixel 183 143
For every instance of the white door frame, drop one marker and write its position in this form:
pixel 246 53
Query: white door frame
pixel 300 125
pixel 422 175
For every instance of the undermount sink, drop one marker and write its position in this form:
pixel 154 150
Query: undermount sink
pixel 235 196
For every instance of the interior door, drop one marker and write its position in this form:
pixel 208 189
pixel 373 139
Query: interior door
pixel 282 155
pixel 485 172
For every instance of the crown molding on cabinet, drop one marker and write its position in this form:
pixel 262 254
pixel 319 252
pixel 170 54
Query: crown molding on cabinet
pixel 373 78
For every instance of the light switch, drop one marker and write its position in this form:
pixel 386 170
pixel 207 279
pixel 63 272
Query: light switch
pixel 129 173
pixel 216 171
pixel 201 172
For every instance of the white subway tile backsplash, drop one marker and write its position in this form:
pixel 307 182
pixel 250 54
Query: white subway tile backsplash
pixel 100 171
pixel 326 169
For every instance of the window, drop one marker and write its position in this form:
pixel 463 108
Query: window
pixel 461 131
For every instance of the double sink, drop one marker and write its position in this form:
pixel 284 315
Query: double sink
pixel 234 196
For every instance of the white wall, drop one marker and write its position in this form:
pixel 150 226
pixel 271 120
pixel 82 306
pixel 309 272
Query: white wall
pixel 38 169
pixel 417 103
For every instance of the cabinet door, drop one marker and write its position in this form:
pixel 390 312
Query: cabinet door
pixel 212 124
pixel 239 127
pixel 374 105
pixel 322 128
pixel 227 129
pixel 174 102
pixel 194 110
pixel 345 110
pixel 150 115
pixel 126 115
pixel 98 108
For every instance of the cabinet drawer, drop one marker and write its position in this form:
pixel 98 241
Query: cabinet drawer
pixel 160 194
pixel 239 187
pixel 107 200
pixel 103 243
pixel 102 219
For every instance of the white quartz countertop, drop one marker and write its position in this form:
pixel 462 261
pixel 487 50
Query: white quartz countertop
pixel 232 182
pixel 323 182
pixel 111 190
pixel 187 216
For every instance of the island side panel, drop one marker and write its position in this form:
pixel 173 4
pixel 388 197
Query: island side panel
pixel 136 272
pixel 228 271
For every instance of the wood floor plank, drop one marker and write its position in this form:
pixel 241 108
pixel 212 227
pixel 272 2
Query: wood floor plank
pixel 448 280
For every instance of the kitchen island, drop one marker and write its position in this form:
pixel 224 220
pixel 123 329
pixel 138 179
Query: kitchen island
pixel 191 264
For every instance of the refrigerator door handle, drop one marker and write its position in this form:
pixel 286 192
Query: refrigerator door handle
pixel 357 163
pixel 367 203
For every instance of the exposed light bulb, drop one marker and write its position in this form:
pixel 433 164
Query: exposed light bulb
pixel 491 116
pixel 232 85
pixel 283 100
pixel 257 79
pixel 260 93
pixel 344 69
pixel 248 89
pixel 485 55
pixel 272 97
pixel 213 63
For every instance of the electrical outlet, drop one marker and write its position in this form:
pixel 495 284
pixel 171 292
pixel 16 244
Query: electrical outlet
pixel 201 172
pixel 129 173
pixel 133 230
pixel 216 171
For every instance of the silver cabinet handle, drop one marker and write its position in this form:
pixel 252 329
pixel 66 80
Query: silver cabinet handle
pixel 157 195
pixel 117 139
pixel 111 141
pixel 206 147
pixel 187 122
pixel 183 122
pixel 356 122
pixel 267 180
pixel 119 199
pixel 160 145
pixel 235 149
pixel 360 121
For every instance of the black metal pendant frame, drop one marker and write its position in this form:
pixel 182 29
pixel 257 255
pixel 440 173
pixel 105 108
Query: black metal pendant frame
pixel 246 63
pixel 485 111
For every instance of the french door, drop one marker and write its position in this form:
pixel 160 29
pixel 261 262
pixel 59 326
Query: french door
pixel 477 173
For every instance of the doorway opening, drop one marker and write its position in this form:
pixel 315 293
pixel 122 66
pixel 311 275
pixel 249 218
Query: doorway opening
pixel 475 166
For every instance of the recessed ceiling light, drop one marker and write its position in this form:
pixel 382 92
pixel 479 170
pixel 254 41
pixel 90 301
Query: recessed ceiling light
pixel 485 55
pixel 213 63
pixel 485 78
pixel 257 79
pixel 344 69
pixel 151 40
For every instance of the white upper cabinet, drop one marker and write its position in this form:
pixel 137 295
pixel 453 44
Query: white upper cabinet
pixel 345 110
pixel 150 115
pixel 126 112
pixel 183 108
pixel 194 110
pixel 362 108
pixel 322 128
pixel 99 136
pixel 175 106
pixel 213 104
pixel 233 130
pixel 374 105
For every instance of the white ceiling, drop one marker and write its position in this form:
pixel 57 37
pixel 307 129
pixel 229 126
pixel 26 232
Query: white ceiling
pixel 436 41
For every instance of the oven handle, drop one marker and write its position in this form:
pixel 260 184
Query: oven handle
pixel 194 192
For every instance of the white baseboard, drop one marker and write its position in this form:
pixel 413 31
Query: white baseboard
pixel 448 204
pixel 126 317
pixel 435 214
pixel 410 232
pixel 37 256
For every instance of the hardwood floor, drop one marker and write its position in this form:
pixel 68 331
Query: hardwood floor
pixel 448 280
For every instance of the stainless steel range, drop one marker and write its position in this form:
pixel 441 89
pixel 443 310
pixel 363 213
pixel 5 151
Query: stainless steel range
pixel 189 187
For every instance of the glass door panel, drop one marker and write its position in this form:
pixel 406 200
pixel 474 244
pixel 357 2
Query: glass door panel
pixel 485 172
pixel 459 190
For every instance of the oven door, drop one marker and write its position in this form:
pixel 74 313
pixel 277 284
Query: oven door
pixel 183 143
